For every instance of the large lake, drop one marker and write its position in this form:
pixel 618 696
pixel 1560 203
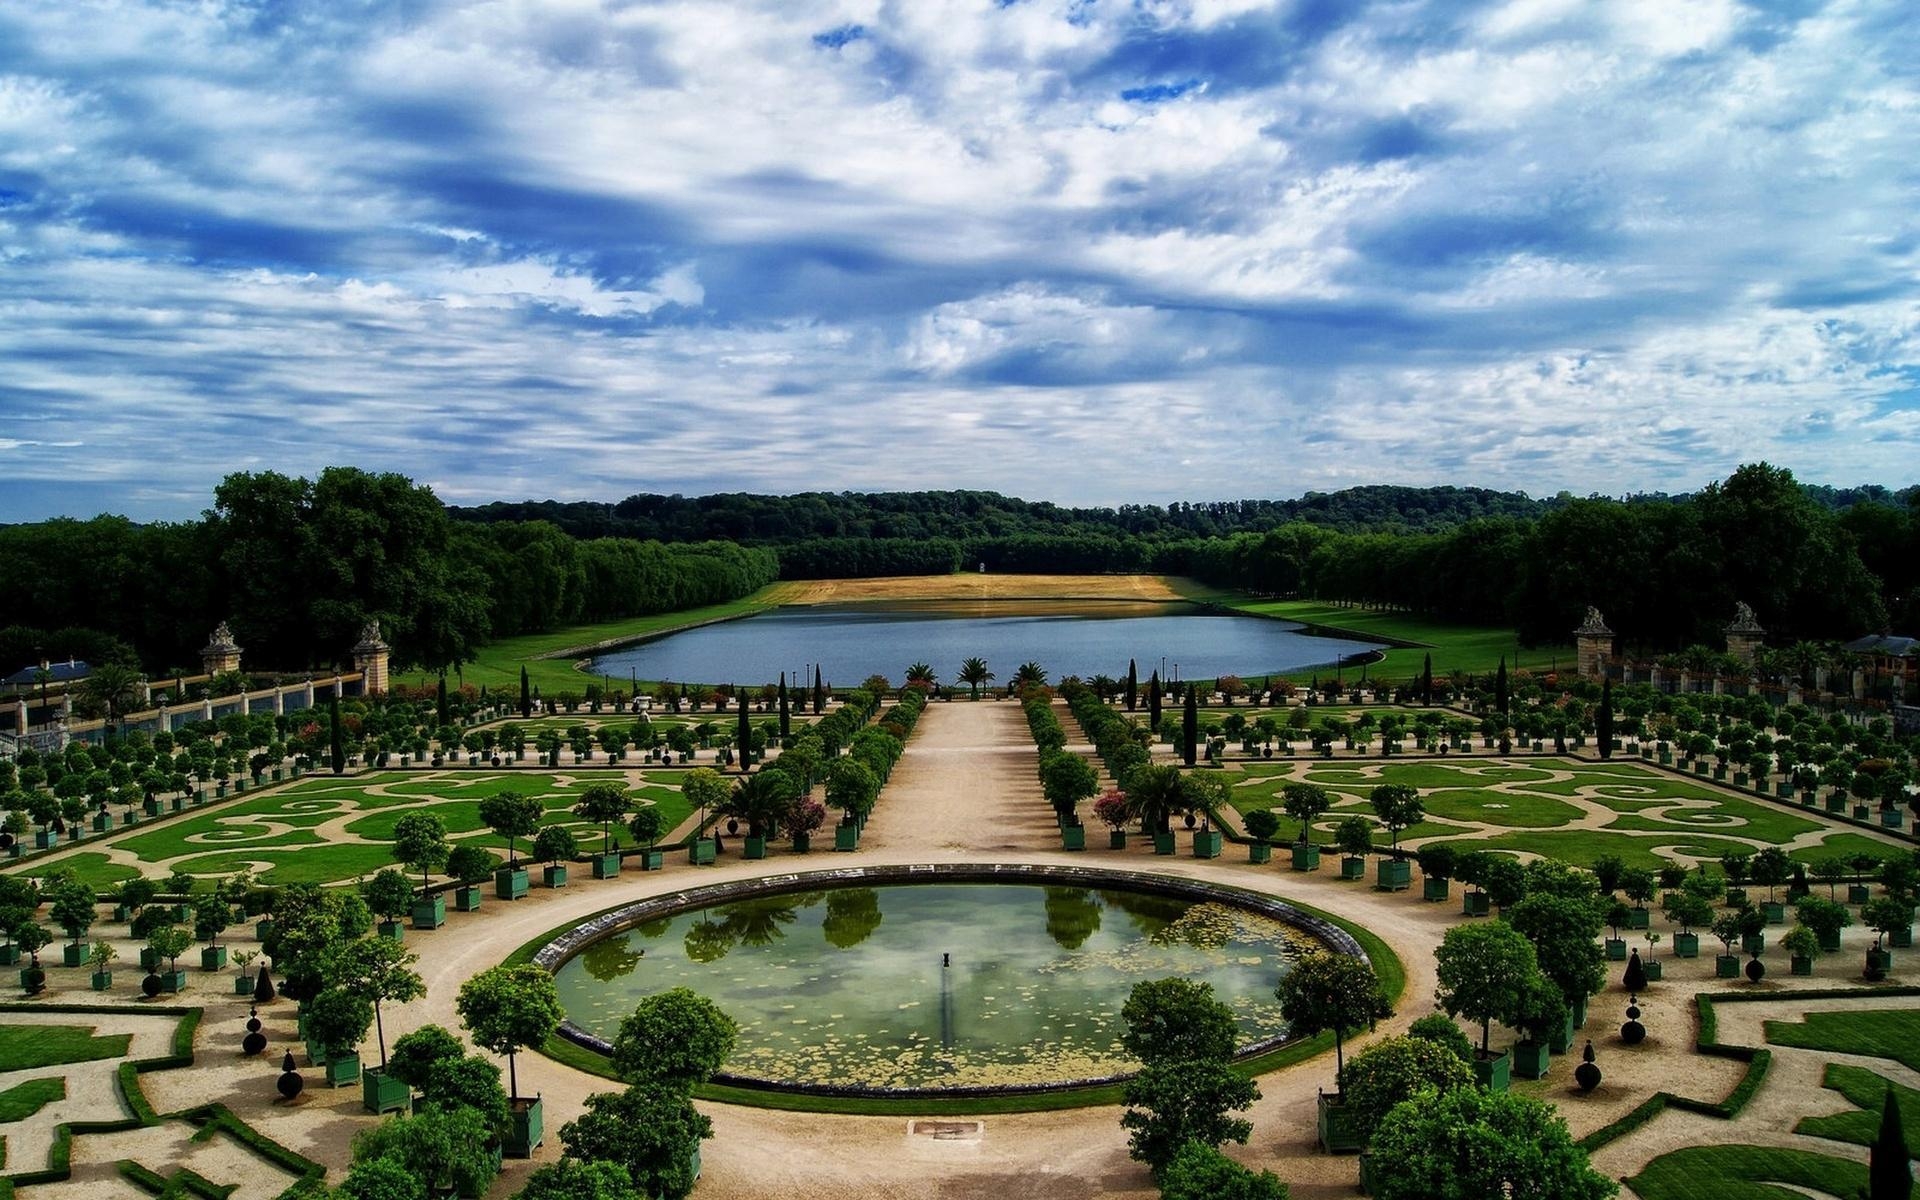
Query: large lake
pixel 1084 638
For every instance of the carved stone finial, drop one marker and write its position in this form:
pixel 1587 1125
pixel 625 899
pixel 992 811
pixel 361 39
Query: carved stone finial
pixel 1594 626
pixel 370 635
pixel 222 640
pixel 1743 619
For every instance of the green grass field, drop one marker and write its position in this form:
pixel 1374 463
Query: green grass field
pixel 1892 1033
pixel 1866 1091
pixel 1747 1173
pixel 21 1101
pixel 25 1047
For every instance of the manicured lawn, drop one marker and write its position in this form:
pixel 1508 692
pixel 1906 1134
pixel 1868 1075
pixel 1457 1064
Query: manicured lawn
pixel 1470 648
pixel 95 869
pixel 1867 1091
pixel 24 1047
pixel 22 1101
pixel 1747 1173
pixel 1582 847
pixel 1883 1033
pixel 278 834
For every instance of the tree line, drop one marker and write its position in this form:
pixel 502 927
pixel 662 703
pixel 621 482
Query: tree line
pixel 298 567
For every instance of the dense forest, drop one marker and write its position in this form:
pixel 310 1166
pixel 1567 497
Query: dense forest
pixel 298 566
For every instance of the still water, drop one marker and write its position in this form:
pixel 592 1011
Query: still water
pixel 937 985
pixel 851 642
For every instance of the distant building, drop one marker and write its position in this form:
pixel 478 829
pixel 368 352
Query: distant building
pixel 1893 659
pixel 70 671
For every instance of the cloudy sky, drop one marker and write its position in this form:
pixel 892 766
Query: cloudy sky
pixel 1085 250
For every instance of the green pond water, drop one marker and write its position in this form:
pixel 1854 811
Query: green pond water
pixel 936 985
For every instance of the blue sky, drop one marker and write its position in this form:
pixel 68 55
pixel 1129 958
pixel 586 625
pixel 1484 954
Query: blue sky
pixel 1084 250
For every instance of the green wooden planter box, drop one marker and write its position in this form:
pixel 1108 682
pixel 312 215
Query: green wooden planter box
pixel 102 822
pixel 1836 804
pixel 1163 843
pixel 45 839
pixel 1531 1059
pixel 606 866
pixel 173 981
pixel 846 837
pixel 430 913
pixel 1736 897
pixel 1829 941
pixel 1435 889
pixel 1353 868
pixel 467 899
pixel 526 1128
pixel 1116 839
pixel 1206 843
pixel 1774 912
pixel 650 859
pixel 1754 943
pixel 392 929
pixel 243 985
pixel 9 956
pixel 1259 852
pixel 1616 950
pixel 1475 904
pixel 1339 1126
pixel 1496 1073
pixel 72 955
pixel 554 876
pixel 802 843
pixel 1639 918
pixel 102 980
pixel 1783 789
pixel 149 959
pixel 701 853
pixel 1879 962
pixel 212 958
pixel 177 803
pixel 382 1093
pixel 753 848
pixel 1861 812
pixel 1859 893
pixel 1809 801
pixel 511 884
pixel 1890 818
pixel 1901 938
pixel 1393 875
pixel 1306 857
pixel 1654 969
pixel 343 1071
pixel 1800 966
pixel 1073 837
pixel 262 930
pixel 1726 966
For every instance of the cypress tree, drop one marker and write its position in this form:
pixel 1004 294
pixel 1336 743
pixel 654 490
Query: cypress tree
pixel 1153 702
pixel 1603 723
pixel 1190 726
pixel 440 701
pixel 336 740
pixel 819 692
pixel 1133 685
pixel 1888 1176
pixel 1426 682
pixel 745 736
pixel 526 697
pixel 784 726
pixel 1502 698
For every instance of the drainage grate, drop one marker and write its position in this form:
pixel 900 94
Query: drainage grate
pixel 947 1131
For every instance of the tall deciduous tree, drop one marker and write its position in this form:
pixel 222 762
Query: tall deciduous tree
pixel 1470 1143
pixel 1484 973
pixel 509 1008
pixel 1335 993
pixel 420 841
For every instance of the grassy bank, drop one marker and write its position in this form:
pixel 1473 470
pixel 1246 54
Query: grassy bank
pixel 498 663
pixel 1470 648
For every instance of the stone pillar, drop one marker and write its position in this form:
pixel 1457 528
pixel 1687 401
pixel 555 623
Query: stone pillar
pixel 279 702
pixel 370 658
pixel 220 654
pixel 1859 685
pixel 20 718
pixel 166 720
pixel 1819 679
pixel 1593 646
pixel 1744 635
pixel 308 693
pixel 206 709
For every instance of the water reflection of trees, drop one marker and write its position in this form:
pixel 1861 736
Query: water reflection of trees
pixel 852 916
pixel 1149 914
pixel 610 958
pixel 757 922
pixel 1073 916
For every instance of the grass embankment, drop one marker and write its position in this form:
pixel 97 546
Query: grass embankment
pixel 497 665
pixel 1392 973
pixel 1475 649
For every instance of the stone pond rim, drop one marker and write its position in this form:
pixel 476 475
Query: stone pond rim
pixel 557 951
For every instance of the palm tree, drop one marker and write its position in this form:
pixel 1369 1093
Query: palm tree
pixel 762 800
pixel 114 688
pixel 973 673
pixel 921 673
pixel 1030 674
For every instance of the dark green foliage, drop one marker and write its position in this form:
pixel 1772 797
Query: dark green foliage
pixel 443 1148
pixel 673 1039
pixel 571 1179
pixel 415 1053
pixel 1889 1177
pixel 1176 1019
pixel 1469 1144
pixel 651 1132
pixel 1172 1103
pixel 1442 1031
pixel 1394 1069
pixel 1331 992
pixel 1201 1172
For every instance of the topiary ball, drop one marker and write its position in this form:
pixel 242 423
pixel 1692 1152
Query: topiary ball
pixel 254 1044
pixel 291 1083
pixel 151 985
pixel 1587 1074
pixel 1756 970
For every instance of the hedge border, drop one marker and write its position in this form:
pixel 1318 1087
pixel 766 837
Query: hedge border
pixel 1759 1060
pixel 127 1079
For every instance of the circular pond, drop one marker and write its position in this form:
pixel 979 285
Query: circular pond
pixel 956 980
